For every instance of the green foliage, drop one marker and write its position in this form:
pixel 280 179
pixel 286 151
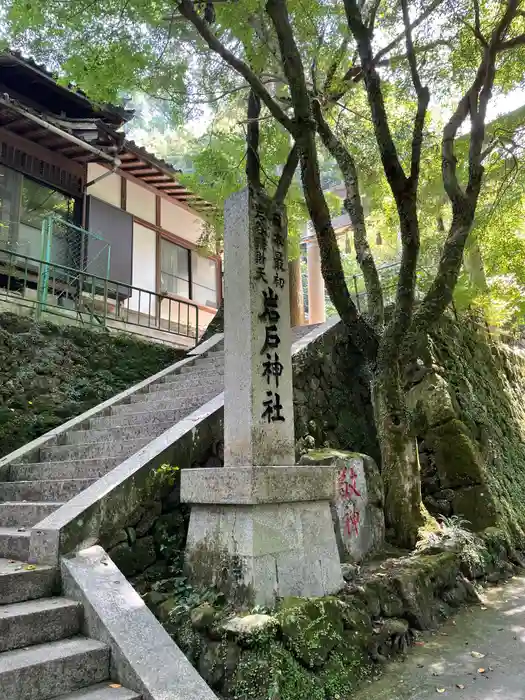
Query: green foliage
pixel 163 477
pixel 137 47
pixel 453 534
pixel 186 597
pixel 49 374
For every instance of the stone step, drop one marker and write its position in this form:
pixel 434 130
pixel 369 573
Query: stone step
pixel 188 394
pixel 43 489
pixel 91 450
pixel 162 403
pixel 187 381
pixel 38 621
pixel 79 468
pixel 15 514
pixel 101 691
pixel 18 584
pixel 49 670
pixel 185 388
pixel 153 418
pixel 137 431
pixel 14 544
pixel 204 364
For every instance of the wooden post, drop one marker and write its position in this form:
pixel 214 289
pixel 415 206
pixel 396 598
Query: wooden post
pixel 296 293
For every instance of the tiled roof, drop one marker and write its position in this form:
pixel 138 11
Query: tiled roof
pixel 135 160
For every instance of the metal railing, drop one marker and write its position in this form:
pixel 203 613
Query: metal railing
pixel 65 244
pixel 97 301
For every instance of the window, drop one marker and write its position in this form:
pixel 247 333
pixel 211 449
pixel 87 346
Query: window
pixel 204 280
pixel 174 269
pixel 175 278
pixel 24 204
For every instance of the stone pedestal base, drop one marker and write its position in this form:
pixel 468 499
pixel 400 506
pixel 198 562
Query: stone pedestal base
pixel 268 534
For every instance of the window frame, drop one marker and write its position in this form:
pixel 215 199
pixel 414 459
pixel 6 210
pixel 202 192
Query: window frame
pixel 162 234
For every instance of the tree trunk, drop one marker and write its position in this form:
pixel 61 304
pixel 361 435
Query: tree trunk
pixel 404 512
pixel 216 324
pixel 296 293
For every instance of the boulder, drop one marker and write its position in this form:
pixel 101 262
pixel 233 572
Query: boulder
pixel 455 455
pixel 431 401
pixel 148 519
pixel 133 559
pixel 357 506
pixel 203 617
pixel 249 629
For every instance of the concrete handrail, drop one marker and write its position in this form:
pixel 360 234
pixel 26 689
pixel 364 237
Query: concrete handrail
pixel 144 658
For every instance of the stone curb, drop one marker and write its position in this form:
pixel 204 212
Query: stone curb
pixel 144 658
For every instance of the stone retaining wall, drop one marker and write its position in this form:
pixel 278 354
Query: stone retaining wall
pixel 468 404
pixel 322 648
pixel 155 534
pixel 332 404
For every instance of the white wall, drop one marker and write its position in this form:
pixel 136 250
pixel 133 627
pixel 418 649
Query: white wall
pixel 140 202
pixel 144 267
pixel 108 189
pixel 179 221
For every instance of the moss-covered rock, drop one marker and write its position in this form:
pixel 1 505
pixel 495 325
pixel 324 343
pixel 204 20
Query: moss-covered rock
pixel 430 401
pixel 131 559
pixel 477 506
pixel 455 454
pixel 312 629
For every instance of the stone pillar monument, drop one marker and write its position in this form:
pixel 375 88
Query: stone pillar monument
pixel 261 527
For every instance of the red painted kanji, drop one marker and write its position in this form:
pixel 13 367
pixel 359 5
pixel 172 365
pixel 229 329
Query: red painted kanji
pixel 352 521
pixel 348 482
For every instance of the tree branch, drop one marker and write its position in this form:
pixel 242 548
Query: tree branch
pixel 355 72
pixel 287 175
pixel 253 166
pixel 512 43
pixel 477 24
pixel 355 211
pixel 292 62
pixel 464 203
pixel 387 149
pixel 423 97
pixel 417 50
pixel 187 9
pixel 363 335
pixel 419 20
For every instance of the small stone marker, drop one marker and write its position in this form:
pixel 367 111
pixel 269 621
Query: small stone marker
pixel 260 527
pixel 357 506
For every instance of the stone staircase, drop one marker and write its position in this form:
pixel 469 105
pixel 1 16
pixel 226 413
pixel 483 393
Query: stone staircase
pixel 89 451
pixel 42 652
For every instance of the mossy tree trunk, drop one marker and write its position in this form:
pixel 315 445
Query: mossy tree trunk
pixel 404 512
